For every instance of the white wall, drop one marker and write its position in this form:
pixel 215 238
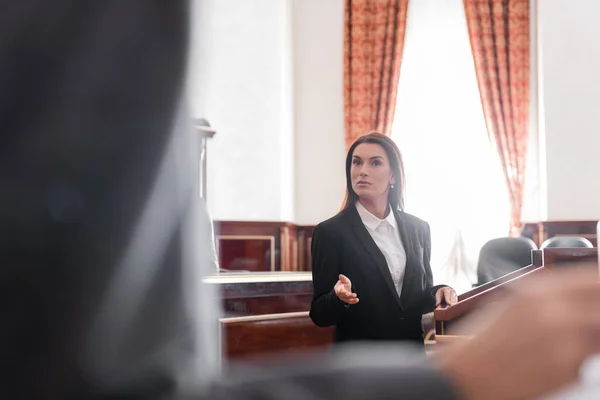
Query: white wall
pixel 319 108
pixel 570 83
pixel 534 201
pixel 241 81
pixel 566 77
pixel 267 74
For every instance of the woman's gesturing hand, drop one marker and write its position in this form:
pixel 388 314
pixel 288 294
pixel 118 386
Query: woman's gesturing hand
pixel 343 290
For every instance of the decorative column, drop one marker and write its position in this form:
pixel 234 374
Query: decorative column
pixel 205 132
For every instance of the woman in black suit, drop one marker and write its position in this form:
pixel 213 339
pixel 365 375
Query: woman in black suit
pixel 371 274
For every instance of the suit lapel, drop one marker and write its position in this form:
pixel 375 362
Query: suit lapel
pixel 407 242
pixel 373 250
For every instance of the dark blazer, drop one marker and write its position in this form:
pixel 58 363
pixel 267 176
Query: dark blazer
pixel 342 245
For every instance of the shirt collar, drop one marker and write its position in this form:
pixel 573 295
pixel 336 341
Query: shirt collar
pixel 371 221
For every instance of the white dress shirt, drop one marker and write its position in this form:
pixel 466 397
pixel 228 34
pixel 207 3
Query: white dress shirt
pixel 386 235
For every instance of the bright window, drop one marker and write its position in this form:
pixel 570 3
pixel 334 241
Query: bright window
pixel 454 177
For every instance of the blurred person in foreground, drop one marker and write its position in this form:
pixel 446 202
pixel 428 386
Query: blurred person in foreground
pixel 102 258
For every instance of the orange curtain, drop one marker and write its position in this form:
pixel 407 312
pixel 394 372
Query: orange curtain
pixel 499 35
pixel 373 42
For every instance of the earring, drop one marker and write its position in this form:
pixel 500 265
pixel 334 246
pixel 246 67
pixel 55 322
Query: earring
pixel 392 186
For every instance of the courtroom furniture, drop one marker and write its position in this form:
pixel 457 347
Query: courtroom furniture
pixel 263 293
pixel 501 256
pixel 267 314
pixel 255 338
pixel 304 242
pixel 274 306
pixel 542 230
pixel 537 258
pixel 281 246
pixel 263 246
pixel 256 246
pixel 559 257
pixel 567 242
pixel 448 320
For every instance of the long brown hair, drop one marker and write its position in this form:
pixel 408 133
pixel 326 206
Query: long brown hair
pixel 395 194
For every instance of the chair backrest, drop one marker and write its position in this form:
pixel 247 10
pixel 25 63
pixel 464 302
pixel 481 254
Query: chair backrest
pixel 566 241
pixel 502 256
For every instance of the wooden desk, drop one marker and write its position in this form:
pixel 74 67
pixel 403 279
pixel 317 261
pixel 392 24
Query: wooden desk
pixel 263 293
pixel 267 314
pixel 542 230
pixel 259 336
pixel 447 320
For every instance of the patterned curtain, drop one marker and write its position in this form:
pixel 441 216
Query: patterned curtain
pixel 499 35
pixel 373 42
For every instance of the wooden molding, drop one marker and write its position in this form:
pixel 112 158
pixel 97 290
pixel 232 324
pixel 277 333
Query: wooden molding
pixel 291 245
pixel 539 231
pixel 447 319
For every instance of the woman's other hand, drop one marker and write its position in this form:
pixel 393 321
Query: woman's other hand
pixel 445 295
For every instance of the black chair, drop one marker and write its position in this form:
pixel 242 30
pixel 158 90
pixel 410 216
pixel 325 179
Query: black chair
pixel 502 256
pixel 566 242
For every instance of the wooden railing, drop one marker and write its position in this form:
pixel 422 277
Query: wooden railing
pixel 257 337
pixel 448 320
pixel 268 313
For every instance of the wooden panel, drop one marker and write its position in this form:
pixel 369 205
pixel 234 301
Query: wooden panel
pixel 248 227
pixel 267 304
pixel 255 294
pixel 557 257
pixel 304 242
pixel 292 242
pixel 447 321
pixel 256 338
pixel 248 338
pixel 242 245
pixel 267 314
pixel 259 285
pixel 540 231
pixel 246 253
pixel 289 248
pixel 536 258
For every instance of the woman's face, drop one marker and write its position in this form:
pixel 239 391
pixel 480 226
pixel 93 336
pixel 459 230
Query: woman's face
pixel 371 173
